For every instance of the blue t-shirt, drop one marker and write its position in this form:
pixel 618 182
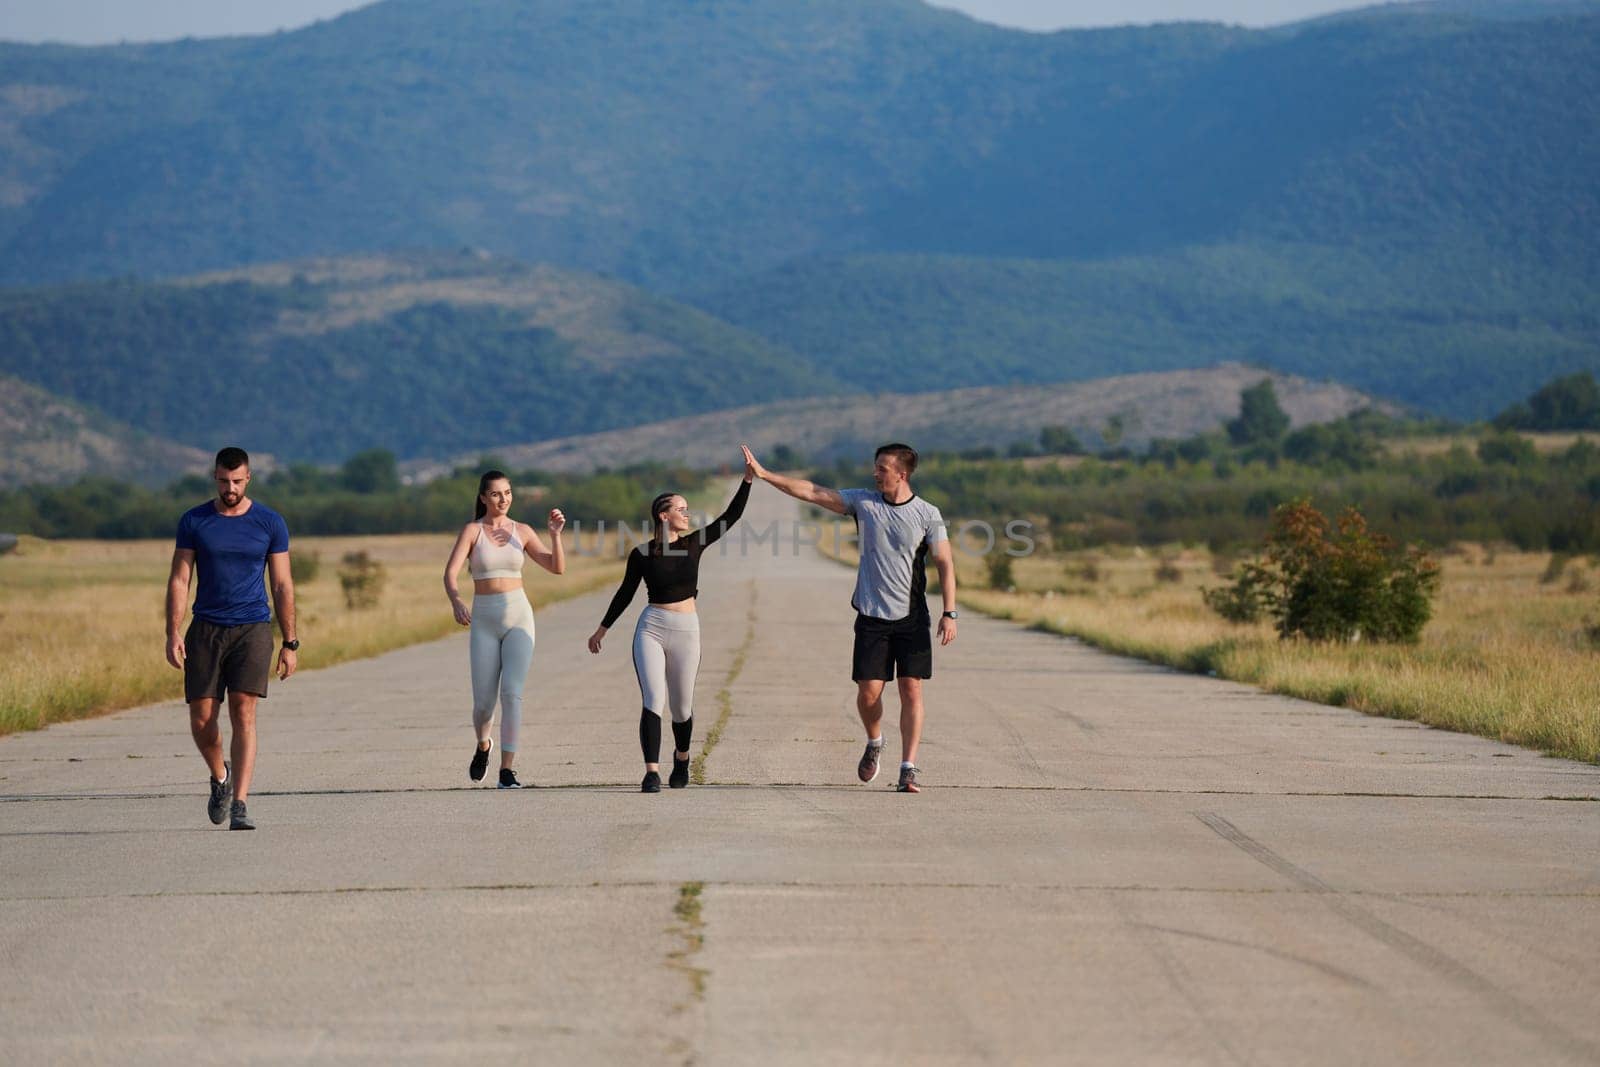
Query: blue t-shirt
pixel 230 554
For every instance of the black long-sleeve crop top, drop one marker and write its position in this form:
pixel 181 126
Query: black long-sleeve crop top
pixel 673 574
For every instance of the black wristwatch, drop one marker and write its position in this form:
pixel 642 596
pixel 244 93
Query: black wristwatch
pixel 952 614
pixel 292 646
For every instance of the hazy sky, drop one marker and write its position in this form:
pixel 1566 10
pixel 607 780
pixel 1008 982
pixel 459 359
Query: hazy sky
pixel 103 21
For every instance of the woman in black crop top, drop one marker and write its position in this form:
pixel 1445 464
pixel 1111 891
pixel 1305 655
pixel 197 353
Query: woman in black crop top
pixel 666 642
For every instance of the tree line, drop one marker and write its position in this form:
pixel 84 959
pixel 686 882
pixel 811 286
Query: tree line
pixel 363 496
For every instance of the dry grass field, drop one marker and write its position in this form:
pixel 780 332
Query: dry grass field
pixel 82 623
pixel 1512 651
pixel 1545 443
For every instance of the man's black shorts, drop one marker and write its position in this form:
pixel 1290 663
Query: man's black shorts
pixel 886 648
pixel 222 659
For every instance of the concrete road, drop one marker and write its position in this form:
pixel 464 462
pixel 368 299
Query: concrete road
pixel 1111 863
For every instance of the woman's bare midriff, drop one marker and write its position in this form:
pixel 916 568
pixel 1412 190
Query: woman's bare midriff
pixel 684 606
pixel 491 586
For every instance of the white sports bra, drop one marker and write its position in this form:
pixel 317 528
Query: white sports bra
pixel 489 560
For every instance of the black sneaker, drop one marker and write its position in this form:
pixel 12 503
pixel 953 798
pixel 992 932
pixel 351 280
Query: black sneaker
pixel 680 773
pixel 221 793
pixel 651 783
pixel 238 818
pixel 908 781
pixel 480 762
pixel 508 779
pixel 867 769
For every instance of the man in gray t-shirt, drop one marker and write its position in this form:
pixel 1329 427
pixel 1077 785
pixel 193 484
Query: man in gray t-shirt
pixel 898 531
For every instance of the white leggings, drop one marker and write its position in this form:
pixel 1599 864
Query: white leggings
pixel 666 657
pixel 502 651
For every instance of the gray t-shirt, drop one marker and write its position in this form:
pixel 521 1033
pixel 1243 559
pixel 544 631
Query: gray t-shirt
pixel 892 579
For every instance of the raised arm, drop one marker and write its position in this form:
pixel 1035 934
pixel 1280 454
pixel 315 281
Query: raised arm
pixel 799 488
pixel 178 602
pixel 730 515
pixel 554 558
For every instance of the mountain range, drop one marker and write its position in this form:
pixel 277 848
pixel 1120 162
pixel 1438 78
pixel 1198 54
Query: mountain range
pixel 653 209
pixel 1128 411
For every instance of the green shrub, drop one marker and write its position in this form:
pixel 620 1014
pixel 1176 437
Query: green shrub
pixel 1245 600
pixel 304 567
pixel 362 579
pixel 1085 568
pixel 1000 572
pixel 1333 582
pixel 1578 582
pixel 1504 446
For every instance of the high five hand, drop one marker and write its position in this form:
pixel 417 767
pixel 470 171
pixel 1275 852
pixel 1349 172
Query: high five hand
pixel 752 468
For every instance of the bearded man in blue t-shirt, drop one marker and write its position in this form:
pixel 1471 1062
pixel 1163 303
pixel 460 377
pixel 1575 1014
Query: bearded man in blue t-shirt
pixel 227 652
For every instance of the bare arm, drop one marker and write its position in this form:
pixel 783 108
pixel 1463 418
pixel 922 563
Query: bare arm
pixel 283 607
pixel 554 558
pixel 178 602
pixel 945 563
pixel 452 567
pixel 799 488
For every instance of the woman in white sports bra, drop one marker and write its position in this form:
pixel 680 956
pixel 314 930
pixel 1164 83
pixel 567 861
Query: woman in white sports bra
pixel 501 617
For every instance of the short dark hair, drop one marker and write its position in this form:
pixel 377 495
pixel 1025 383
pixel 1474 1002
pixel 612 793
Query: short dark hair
pixel 905 455
pixel 232 458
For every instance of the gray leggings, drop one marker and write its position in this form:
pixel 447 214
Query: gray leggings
pixel 502 651
pixel 666 657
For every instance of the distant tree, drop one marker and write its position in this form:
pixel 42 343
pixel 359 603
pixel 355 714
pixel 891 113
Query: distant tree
pixel 191 485
pixel 1342 443
pixel 1570 403
pixel 1061 441
pixel 1506 447
pixel 1327 581
pixel 372 471
pixel 786 458
pixel 1261 420
pixel 1001 576
pixel 362 578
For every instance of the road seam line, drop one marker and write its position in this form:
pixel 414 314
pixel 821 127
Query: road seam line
pixel 697 769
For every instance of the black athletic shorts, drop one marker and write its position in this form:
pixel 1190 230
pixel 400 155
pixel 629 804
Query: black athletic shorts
pixel 222 659
pixel 886 648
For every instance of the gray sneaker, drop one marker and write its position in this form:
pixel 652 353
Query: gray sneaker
pixel 908 781
pixel 867 769
pixel 221 793
pixel 238 818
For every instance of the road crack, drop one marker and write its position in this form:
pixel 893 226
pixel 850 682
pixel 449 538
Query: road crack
pixel 697 769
